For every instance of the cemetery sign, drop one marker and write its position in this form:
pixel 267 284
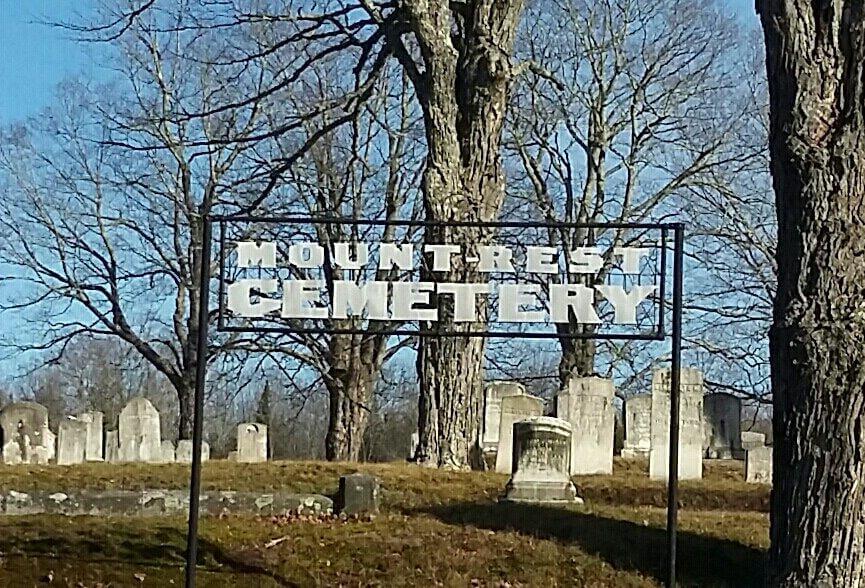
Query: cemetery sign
pixel 274 276
pixel 288 274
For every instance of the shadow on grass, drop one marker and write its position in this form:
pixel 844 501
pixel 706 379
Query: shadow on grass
pixel 627 546
pixel 124 546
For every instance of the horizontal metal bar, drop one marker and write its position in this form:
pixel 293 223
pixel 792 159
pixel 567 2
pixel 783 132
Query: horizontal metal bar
pixel 424 223
pixel 655 336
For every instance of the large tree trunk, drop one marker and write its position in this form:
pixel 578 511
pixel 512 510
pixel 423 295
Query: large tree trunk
pixel 816 66
pixel 464 98
pixel 186 401
pixel 451 369
pixel 577 361
pixel 354 367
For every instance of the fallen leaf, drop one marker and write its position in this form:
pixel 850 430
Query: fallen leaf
pixel 275 542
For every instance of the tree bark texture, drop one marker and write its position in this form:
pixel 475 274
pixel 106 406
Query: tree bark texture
pixel 816 66
pixel 463 89
pixel 355 362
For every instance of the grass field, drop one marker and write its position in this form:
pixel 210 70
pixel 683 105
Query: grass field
pixel 435 529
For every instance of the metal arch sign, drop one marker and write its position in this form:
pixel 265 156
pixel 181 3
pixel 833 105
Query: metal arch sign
pixel 282 277
pixel 275 276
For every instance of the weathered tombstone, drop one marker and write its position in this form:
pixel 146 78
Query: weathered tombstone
pixel 358 494
pixel 493 394
pixel 184 451
pixel 541 460
pixel 513 409
pixel 167 452
pixel 71 441
pixel 93 451
pixel 251 442
pixel 752 440
pixel 232 456
pixel 638 427
pixel 413 443
pixel 588 406
pixel 722 418
pixel 690 425
pixel 112 447
pixel 24 440
pixel 139 432
pixel 49 444
pixel 758 465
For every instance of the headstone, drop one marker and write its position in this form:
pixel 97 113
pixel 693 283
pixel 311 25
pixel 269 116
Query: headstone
pixel 358 494
pixel 184 451
pixel 139 433
pixel 232 456
pixel 93 451
pixel 722 418
pixel 251 442
pixel 49 443
pixel 541 460
pixel 71 441
pixel 690 425
pixel 413 443
pixel 752 440
pixel 513 409
pixel 638 427
pixel 493 394
pixel 588 406
pixel 24 427
pixel 758 465
pixel 167 452
pixel 112 447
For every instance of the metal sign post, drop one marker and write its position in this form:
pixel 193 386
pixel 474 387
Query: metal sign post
pixel 198 417
pixel 275 325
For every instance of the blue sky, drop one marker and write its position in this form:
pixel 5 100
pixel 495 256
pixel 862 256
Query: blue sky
pixel 35 57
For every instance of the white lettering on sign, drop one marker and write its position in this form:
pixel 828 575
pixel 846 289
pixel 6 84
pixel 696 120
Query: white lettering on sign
pixel 537 300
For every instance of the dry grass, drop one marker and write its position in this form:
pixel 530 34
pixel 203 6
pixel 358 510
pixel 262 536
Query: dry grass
pixel 437 528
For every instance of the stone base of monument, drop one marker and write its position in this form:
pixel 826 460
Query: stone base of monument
pixel 635 454
pixel 541 492
pixel 541 462
pixel 489 457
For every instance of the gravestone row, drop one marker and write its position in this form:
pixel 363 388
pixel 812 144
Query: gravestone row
pixel 27 438
pixel 710 427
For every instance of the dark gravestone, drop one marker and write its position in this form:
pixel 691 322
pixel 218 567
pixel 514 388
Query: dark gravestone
pixel 358 494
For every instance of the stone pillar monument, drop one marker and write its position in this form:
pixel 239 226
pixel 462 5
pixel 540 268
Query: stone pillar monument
pixel 71 441
pixel 542 447
pixel 638 427
pixel 493 394
pixel 514 408
pixel 93 450
pixel 758 465
pixel 588 406
pixel 690 425
pixel 26 436
pixel 138 432
pixel 722 414
pixel 251 443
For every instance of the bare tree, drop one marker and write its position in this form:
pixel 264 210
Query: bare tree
pixel 367 170
pixel 628 107
pixel 815 56
pixel 457 57
pixel 104 200
pixel 731 249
